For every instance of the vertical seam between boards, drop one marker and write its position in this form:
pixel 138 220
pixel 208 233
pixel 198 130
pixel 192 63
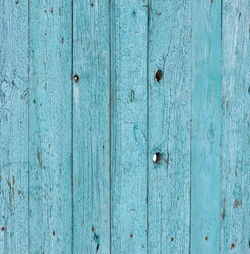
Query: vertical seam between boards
pixel 190 138
pixel 110 131
pixel 28 126
pixel 221 115
pixel 148 126
pixel 72 127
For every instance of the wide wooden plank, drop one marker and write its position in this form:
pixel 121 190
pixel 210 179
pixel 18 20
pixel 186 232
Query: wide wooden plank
pixel 206 127
pixel 169 126
pixel 235 223
pixel 13 126
pixel 129 21
pixel 91 146
pixel 50 113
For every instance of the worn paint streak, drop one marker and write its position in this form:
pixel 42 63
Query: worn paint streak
pixel 39 158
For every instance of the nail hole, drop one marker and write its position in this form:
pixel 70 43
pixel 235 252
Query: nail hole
pixel 172 239
pixel 158 75
pixel 54 233
pixel 206 238
pixel 92 4
pixel 76 78
pixel 131 235
pixel 232 246
pixel 157 158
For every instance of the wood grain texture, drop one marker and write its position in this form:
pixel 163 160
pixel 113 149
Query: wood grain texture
pixel 235 223
pixel 129 21
pixel 169 126
pixel 13 126
pixel 206 127
pixel 91 146
pixel 50 127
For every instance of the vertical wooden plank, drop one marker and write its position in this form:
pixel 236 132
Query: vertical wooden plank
pixel 50 107
pixel 206 121
pixel 235 222
pixel 91 189
pixel 169 126
pixel 13 126
pixel 129 21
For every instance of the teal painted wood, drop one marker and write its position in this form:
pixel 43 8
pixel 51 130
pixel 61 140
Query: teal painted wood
pixel 50 127
pixel 76 168
pixel 13 126
pixel 206 127
pixel 169 126
pixel 91 146
pixel 129 21
pixel 235 223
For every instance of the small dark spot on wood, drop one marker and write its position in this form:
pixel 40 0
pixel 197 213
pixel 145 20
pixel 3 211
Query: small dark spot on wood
pixel 131 235
pixel 62 40
pixel 52 10
pixel 239 16
pixel 134 13
pixel 132 95
pixel 206 238
pixel 249 90
pixel 54 233
pixel 45 11
pixel 39 158
pixel 92 4
pixel 34 101
pixel 224 213
pixel 236 203
pixel 17 1
pixel 232 246
pixel 97 247
pixel 3 228
pixel 76 78
pixel 93 229
pixel 172 239
pixel 158 75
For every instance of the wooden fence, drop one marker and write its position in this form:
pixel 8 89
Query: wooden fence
pixel 124 126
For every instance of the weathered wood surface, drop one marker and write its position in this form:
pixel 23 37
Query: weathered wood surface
pixel 91 160
pixel 129 21
pixel 206 127
pixel 89 92
pixel 169 126
pixel 235 134
pixel 14 91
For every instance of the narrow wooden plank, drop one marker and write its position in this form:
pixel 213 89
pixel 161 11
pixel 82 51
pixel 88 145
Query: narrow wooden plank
pixel 169 126
pixel 129 21
pixel 50 107
pixel 91 189
pixel 13 126
pixel 235 223
pixel 206 124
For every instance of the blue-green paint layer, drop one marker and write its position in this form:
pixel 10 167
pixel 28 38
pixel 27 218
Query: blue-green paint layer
pixel 129 21
pixel 50 127
pixel 91 143
pixel 206 127
pixel 169 126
